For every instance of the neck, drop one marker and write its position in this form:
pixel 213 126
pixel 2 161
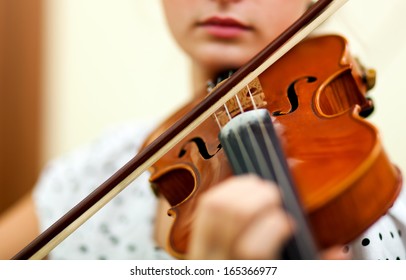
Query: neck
pixel 200 77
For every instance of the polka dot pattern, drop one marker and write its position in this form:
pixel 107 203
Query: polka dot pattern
pixel 120 230
pixel 385 239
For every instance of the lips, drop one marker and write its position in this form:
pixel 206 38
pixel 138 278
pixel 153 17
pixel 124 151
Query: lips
pixel 224 27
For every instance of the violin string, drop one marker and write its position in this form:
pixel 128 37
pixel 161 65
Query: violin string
pixel 259 155
pixel 231 154
pixel 252 98
pixel 217 121
pixel 242 148
pixel 280 175
pixel 228 113
pixel 239 104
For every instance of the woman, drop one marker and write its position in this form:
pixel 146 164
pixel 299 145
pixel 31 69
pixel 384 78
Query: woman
pixel 217 35
pixel 221 35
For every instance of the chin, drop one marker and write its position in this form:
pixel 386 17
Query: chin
pixel 221 63
pixel 215 58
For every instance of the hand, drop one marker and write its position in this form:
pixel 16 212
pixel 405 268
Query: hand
pixel 241 218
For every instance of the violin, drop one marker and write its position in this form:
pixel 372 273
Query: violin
pixel 326 151
pixel 316 97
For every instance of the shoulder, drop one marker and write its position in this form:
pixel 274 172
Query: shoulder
pixel 77 173
pixel 386 239
pixel 122 229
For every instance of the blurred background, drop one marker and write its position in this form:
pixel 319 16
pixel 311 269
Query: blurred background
pixel 70 69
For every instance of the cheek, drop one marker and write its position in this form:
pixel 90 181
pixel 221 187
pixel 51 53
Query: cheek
pixel 276 20
pixel 176 14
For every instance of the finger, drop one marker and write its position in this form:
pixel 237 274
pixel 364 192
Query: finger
pixel 335 253
pixel 265 237
pixel 226 211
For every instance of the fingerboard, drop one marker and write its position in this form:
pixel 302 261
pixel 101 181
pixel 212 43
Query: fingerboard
pixel 252 146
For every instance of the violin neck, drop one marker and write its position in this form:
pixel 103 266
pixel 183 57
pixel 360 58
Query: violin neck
pixel 251 145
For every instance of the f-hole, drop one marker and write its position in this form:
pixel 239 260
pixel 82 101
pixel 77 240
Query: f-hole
pixel 292 96
pixel 201 145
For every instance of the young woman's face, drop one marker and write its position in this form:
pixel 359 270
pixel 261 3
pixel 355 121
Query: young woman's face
pixel 223 34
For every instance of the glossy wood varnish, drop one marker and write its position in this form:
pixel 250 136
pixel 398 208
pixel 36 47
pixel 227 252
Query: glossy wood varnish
pixel 316 94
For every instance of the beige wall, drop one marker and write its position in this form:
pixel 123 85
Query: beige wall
pixel 106 62
pixel 110 61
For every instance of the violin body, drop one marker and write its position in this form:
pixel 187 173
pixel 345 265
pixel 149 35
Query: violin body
pixel 316 94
